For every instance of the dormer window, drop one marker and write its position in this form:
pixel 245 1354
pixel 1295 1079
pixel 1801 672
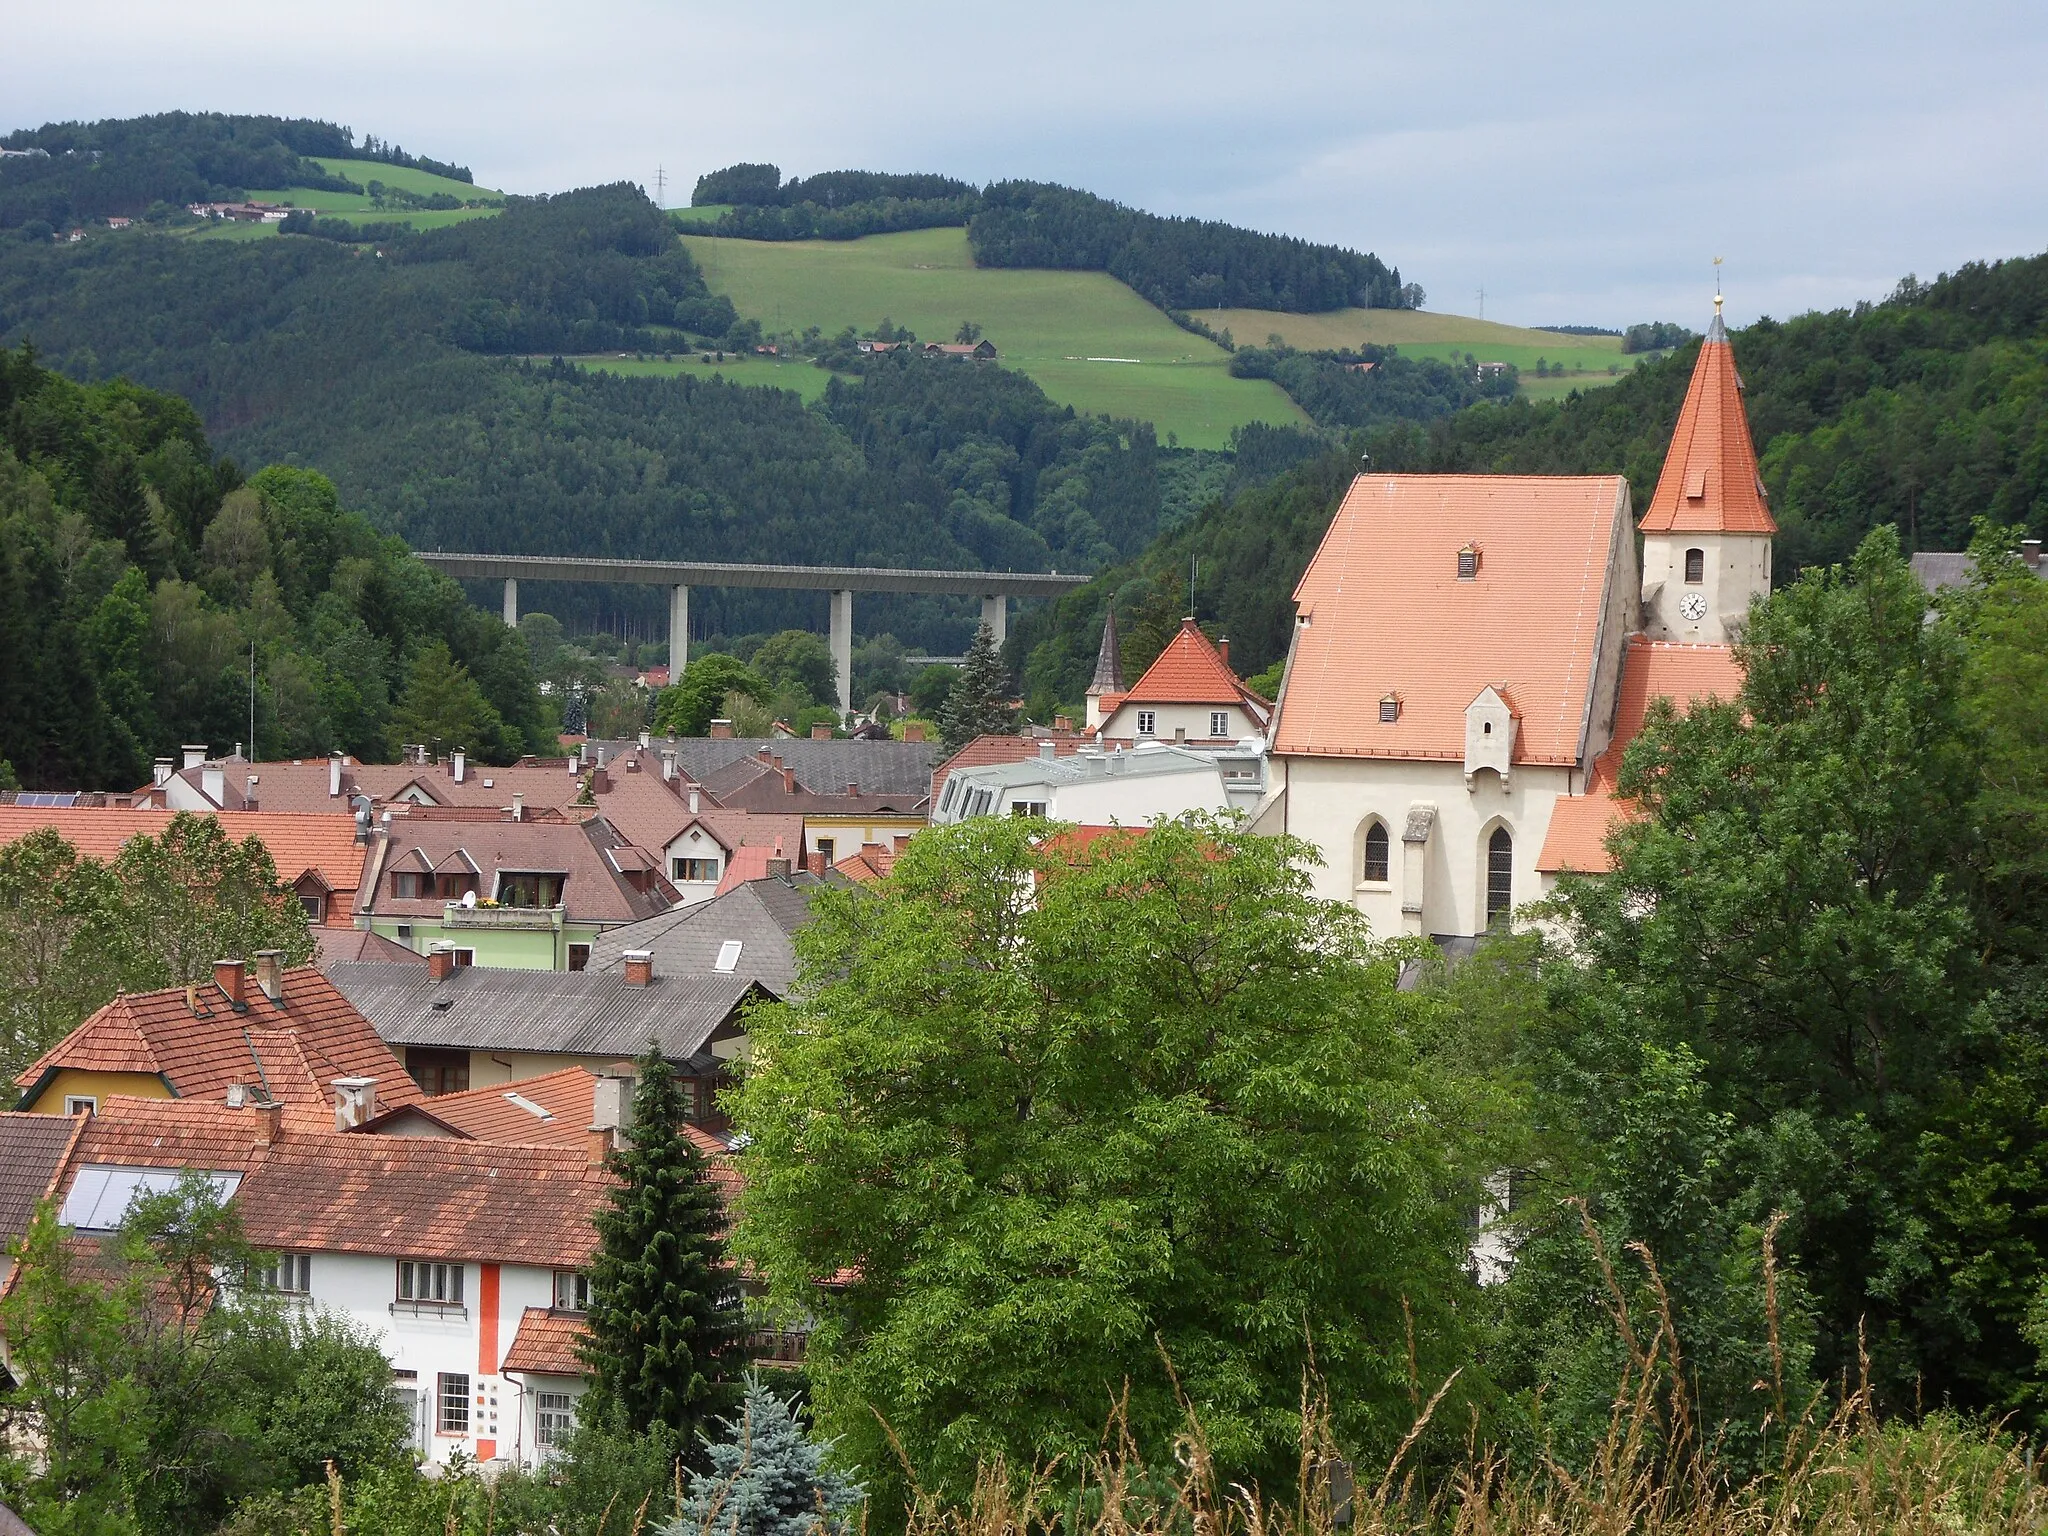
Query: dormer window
pixel 1468 563
pixel 1695 566
pixel 1390 709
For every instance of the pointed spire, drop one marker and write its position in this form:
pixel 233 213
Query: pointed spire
pixel 1109 661
pixel 1710 482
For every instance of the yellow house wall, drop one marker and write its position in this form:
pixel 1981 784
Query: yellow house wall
pixel 71 1082
pixel 849 834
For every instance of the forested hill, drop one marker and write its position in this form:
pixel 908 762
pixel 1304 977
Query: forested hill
pixel 1925 411
pixel 62 173
pixel 1178 264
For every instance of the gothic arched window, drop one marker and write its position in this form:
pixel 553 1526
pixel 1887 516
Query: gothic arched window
pixel 1500 876
pixel 1377 867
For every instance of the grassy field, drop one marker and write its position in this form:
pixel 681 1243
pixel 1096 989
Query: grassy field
pixel 405 178
pixel 1422 333
pixel 358 208
pixel 1087 339
pixel 802 378
pixel 707 214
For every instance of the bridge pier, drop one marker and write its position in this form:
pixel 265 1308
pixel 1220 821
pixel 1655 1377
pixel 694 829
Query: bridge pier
pixel 511 602
pixel 995 613
pixel 842 648
pixel 678 632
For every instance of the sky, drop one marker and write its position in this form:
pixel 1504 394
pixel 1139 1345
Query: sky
pixel 1582 163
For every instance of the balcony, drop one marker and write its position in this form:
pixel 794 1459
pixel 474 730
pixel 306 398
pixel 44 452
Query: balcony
pixel 527 919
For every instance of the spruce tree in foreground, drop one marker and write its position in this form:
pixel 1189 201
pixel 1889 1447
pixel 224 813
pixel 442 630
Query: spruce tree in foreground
pixel 979 704
pixel 768 1478
pixel 667 1335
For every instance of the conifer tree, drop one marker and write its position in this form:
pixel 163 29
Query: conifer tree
pixel 667 1335
pixel 767 1478
pixel 979 704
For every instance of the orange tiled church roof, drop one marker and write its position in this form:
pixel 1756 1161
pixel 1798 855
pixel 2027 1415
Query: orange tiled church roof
pixel 1710 482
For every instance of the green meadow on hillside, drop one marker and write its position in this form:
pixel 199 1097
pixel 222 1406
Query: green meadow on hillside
pixel 359 208
pixel 797 375
pixel 1423 333
pixel 1088 340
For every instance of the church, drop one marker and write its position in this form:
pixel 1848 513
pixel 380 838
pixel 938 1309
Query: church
pixel 1472 653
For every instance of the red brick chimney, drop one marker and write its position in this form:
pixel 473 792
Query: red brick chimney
pixel 721 730
pixel 597 1144
pixel 788 778
pixel 229 975
pixel 820 731
pixel 269 1124
pixel 1223 649
pixel 913 730
pixel 639 968
pixel 441 961
pixel 270 973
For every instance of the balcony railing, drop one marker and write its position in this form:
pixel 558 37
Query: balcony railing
pixel 459 916
pixel 777 1346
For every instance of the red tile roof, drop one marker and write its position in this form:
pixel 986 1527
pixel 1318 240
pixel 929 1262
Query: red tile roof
pixel 1685 674
pixel 199 1044
pixel 1190 671
pixel 545 1344
pixel 872 862
pixel 1710 482
pixel 323 845
pixel 1386 613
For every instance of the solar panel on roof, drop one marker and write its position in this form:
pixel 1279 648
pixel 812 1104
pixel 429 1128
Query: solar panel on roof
pixel 100 1197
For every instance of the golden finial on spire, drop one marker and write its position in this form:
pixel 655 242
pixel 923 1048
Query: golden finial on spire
pixel 1717 287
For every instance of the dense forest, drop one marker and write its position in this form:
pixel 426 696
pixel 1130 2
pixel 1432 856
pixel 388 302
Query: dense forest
pixel 142 165
pixel 1375 384
pixel 1924 411
pixel 149 596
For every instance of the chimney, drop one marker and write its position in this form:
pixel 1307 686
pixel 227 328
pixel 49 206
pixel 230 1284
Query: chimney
pixel 820 731
pixel 575 763
pixel 852 789
pixel 355 1101
pixel 913 730
pixel 440 960
pixel 765 753
pixel 249 793
pixel 788 778
pixel 518 806
pixel 778 869
pixel 639 967
pixel 611 1112
pixel 668 767
pixel 1223 649
pixel 643 741
pixel 195 753
pixel 269 1124
pixel 600 757
pixel 598 1145
pixel 333 775
pixel 160 772
pixel 2030 551
pixel 633 763
pixel 227 975
pixel 721 730
pixel 1045 750
pixel 600 777
pixel 213 783
pixel 456 763
pixel 269 970
pixel 693 799
pixel 1063 722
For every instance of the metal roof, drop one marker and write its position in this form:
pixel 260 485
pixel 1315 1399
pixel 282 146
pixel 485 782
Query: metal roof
pixel 823 767
pixel 571 1013
pixel 761 915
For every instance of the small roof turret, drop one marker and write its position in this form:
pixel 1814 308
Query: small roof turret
pixel 1710 482
pixel 1109 662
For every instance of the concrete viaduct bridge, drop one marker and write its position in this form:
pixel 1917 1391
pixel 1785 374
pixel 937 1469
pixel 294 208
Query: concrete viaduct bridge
pixel 994 588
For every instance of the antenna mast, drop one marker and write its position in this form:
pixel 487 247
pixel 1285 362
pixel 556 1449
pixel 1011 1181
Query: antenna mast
pixel 1482 302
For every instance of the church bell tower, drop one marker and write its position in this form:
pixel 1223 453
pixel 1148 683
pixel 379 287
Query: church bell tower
pixel 1707 535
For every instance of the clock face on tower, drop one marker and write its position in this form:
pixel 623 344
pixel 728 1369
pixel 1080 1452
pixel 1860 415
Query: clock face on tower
pixel 1693 606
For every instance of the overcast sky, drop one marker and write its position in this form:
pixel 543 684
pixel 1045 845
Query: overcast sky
pixel 1582 162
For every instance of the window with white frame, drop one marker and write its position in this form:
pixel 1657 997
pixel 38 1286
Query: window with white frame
pixel 572 1291
pixel 451 1403
pixel 694 869
pixel 1028 808
pixel 1219 723
pixel 1148 722
pixel 429 1283
pixel 554 1415
pixel 81 1104
pixel 289 1274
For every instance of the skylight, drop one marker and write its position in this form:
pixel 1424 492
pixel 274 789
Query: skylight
pixel 100 1197
pixel 728 956
pixel 529 1106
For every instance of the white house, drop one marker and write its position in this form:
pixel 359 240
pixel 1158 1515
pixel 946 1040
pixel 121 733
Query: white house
pixel 1463 646
pixel 466 1260
pixel 1188 695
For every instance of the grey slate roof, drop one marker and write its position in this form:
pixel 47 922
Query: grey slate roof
pixel 573 1013
pixel 761 914
pixel 1939 568
pixel 823 767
